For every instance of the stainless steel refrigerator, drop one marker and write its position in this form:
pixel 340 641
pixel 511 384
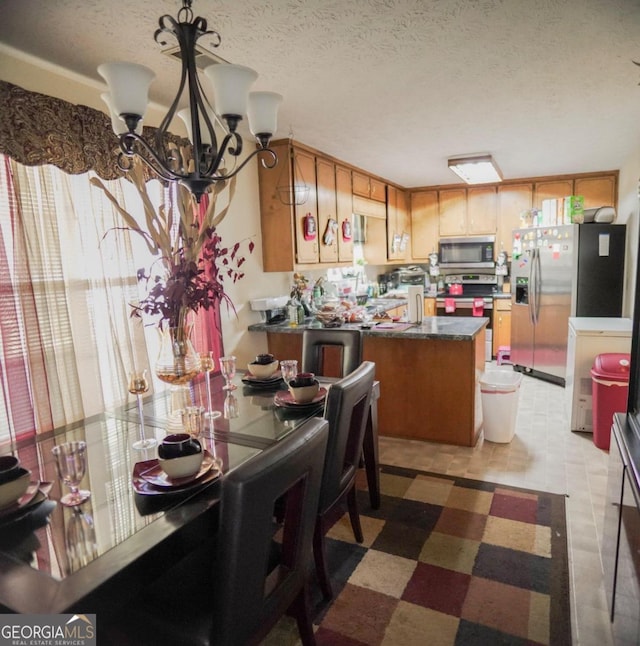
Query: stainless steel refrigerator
pixel 556 273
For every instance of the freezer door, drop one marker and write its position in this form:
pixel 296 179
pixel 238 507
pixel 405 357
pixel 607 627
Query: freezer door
pixel 522 328
pixel 554 271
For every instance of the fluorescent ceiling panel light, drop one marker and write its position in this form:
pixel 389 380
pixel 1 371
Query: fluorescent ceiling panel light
pixel 480 169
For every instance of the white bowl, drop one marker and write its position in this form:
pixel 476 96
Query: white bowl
pixel 263 370
pixel 304 394
pixel 182 467
pixel 14 489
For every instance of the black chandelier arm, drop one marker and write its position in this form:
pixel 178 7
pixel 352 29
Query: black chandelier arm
pixel 215 162
pixel 265 163
pixel 148 155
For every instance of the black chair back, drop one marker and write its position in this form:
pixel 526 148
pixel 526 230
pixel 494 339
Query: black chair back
pixel 346 410
pixel 319 345
pixel 250 593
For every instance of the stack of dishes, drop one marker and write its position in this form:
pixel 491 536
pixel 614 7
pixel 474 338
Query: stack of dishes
pixel 263 372
pixel 19 494
pixel 285 399
pixel 149 478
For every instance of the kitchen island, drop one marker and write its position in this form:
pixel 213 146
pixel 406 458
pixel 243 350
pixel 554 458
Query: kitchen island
pixel 428 373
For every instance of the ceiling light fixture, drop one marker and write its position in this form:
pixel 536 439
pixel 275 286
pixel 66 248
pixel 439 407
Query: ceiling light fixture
pixel 128 98
pixel 476 169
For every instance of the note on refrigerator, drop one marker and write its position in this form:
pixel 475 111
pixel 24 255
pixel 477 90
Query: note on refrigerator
pixel 603 244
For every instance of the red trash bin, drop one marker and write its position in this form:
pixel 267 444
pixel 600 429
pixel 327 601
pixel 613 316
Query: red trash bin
pixel 610 389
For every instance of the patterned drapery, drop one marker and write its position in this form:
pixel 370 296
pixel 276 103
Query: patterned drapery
pixel 37 129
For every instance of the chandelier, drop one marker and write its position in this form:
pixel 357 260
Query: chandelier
pixel 127 100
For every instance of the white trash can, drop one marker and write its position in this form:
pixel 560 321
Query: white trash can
pixel 500 390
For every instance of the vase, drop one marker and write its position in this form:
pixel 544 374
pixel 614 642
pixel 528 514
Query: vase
pixel 178 363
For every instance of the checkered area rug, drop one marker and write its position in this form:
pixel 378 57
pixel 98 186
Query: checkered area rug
pixel 449 561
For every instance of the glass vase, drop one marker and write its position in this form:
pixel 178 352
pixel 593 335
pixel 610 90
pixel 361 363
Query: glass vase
pixel 178 363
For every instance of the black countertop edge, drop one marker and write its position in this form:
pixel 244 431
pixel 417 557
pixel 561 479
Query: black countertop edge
pixel 450 328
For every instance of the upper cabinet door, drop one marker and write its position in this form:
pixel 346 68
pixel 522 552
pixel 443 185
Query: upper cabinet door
pixel 481 210
pixel 344 210
pixel 398 226
pixel 551 190
pixel 377 190
pixel 367 186
pixel 513 199
pixel 453 212
pixel 307 249
pixel 424 223
pixel 597 191
pixel 327 217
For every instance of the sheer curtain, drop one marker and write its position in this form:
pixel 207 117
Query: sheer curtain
pixel 68 273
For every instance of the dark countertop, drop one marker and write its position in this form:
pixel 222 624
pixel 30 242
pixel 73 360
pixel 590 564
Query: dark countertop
pixel 451 328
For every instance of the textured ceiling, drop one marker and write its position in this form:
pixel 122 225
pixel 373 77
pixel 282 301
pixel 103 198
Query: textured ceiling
pixel 395 86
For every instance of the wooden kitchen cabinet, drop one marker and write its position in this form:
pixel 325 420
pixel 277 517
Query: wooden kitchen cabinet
pixel 551 190
pixel 367 186
pixel 482 211
pixel 307 251
pixel 398 225
pixel 452 209
pixel 424 224
pixel 597 191
pixel 429 306
pixel 501 324
pixel 344 211
pixel 513 199
pixel 327 214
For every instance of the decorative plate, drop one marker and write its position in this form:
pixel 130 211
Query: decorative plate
pixel 285 398
pixel 149 478
pixel 260 382
pixel 35 494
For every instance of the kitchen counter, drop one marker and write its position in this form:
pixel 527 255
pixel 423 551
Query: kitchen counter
pixel 432 327
pixel 429 374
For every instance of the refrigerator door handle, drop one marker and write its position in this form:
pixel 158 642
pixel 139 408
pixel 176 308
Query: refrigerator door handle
pixel 531 282
pixel 537 288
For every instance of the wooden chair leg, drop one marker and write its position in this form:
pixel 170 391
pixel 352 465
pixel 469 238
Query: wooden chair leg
pixel 320 557
pixel 354 516
pixel 301 612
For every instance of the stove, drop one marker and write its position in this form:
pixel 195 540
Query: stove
pixel 474 287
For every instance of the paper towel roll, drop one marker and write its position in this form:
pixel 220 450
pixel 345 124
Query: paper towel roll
pixel 416 303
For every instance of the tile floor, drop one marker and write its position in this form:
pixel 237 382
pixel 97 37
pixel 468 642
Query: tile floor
pixel 543 455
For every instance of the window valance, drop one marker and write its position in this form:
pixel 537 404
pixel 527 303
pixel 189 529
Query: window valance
pixel 37 129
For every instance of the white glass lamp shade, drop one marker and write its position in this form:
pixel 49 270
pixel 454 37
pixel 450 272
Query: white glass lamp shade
pixel 262 112
pixel 185 115
pixel 231 84
pixel 128 86
pixel 117 124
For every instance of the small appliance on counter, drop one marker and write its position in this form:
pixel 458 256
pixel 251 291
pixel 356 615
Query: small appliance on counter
pixel 272 310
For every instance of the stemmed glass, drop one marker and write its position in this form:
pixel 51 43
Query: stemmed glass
pixel 231 406
pixel 80 540
pixel 71 464
pixel 206 365
pixel 228 369
pixel 289 368
pixel 138 385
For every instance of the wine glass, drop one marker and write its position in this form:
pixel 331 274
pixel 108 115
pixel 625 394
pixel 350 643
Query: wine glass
pixel 228 369
pixel 80 540
pixel 289 368
pixel 207 365
pixel 231 406
pixel 71 464
pixel 138 385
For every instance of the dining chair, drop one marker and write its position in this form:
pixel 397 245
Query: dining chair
pixel 346 410
pixel 331 352
pixel 259 570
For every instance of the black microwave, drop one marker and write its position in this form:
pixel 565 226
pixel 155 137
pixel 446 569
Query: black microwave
pixel 472 251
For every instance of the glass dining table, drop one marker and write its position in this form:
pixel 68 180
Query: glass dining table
pixel 91 558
